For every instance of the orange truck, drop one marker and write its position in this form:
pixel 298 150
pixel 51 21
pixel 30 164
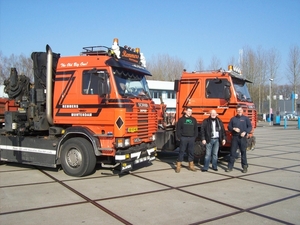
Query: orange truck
pixel 203 91
pixel 80 110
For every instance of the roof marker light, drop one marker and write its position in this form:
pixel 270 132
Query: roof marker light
pixel 116 40
pixel 235 69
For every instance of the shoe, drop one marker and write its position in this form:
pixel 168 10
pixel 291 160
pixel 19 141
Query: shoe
pixel 192 166
pixel 203 170
pixel 215 169
pixel 178 166
pixel 245 169
pixel 228 170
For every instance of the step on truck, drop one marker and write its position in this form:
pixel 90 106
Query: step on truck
pixel 221 90
pixel 80 111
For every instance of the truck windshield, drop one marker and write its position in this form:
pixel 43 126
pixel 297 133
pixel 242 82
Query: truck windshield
pixel 241 90
pixel 131 83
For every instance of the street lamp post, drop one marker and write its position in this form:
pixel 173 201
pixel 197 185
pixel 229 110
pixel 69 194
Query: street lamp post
pixel 270 101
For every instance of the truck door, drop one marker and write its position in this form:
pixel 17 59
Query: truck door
pixel 189 94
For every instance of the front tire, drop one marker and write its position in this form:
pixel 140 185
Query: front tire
pixel 77 157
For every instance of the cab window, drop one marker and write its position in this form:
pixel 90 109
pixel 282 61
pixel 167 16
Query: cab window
pixel 92 81
pixel 215 88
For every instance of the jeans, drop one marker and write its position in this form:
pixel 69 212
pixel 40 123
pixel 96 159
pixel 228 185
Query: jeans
pixel 238 143
pixel 212 149
pixel 186 143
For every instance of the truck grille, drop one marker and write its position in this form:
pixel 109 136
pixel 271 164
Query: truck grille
pixel 146 123
pixel 252 115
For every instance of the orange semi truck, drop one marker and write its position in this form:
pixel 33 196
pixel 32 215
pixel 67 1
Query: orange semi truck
pixel 203 91
pixel 80 110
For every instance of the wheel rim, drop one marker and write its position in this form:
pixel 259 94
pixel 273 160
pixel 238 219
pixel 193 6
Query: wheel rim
pixel 74 158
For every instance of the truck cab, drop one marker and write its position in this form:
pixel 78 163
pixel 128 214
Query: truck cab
pixel 203 91
pixel 95 107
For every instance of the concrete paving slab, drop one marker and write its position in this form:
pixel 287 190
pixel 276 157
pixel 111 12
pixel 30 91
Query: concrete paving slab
pixel 35 196
pixel 14 167
pixel 23 177
pixel 244 219
pixel 79 214
pixel 293 168
pixel 267 194
pixel 240 193
pixel 273 162
pixel 185 177
pixel 264 152
pixel 113 186
pixel 60 175
pixel 286 210
pixel 284 178
pixel 102 172
pixel 157 165
pixel 166 207
pixel 290 156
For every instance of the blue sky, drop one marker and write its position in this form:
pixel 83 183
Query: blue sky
pixel 186 30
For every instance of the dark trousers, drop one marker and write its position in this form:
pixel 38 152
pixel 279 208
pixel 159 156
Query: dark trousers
pixel 186 143
pixel 238 143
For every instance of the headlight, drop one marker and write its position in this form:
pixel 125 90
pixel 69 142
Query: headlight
pixel 122 142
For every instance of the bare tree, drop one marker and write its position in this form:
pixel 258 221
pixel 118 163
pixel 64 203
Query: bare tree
pixel 2 76
pixel 284 90
pixel 261 77
pixel 232 61
pixel 200 64
pixel 254 67
pixel 273 62
pixel 215 63
pixel 293 69
pixel 165 67
pixel 248 64
pixel 22 63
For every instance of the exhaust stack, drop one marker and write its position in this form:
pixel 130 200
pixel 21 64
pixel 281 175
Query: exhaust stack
pixel 49 86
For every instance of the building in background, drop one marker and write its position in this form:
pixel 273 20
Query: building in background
pixel 282 106
pixel 163 91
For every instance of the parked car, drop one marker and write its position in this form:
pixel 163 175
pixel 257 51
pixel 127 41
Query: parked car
pixel 291 116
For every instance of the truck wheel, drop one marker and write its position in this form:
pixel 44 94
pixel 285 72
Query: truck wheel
pixel 77 157
pixel 199 152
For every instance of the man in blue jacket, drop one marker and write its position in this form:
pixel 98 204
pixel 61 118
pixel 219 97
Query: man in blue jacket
pixel 239 126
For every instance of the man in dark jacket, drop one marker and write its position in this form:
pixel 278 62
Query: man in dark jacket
pixel 239 126
pixel 212 134
pixel 186 132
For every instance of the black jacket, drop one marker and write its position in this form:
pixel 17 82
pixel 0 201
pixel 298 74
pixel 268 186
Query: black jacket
pixel 186 127
pixel 206 130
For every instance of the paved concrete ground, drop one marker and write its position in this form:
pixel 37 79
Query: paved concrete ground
pixel 268 194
